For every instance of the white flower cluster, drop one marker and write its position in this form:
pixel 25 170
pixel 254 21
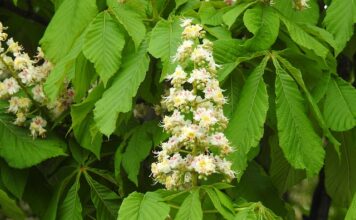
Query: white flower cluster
pixel 197 147
pixel 22 85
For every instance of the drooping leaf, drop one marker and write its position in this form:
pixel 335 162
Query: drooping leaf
pixel 339 20
pixel 165 39
pixel 10 208
pixel 83 76
pixel 130 19
pixel 137 150
pixel 340 174
pixel 138 206
pixel 20 150
pixel 304 39
pixel 71 208
pixel 263 22
pixel 301 146
pixel 247 123
pixel 340 105
pixel 103 45
pixel 105 201
pixel 283 175
pixel 118 98
pixel 190 208
pixel 67 24
pixel 14 179
pixel 226 213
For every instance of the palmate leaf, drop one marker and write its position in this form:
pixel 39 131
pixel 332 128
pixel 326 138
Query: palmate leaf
pixel 340 171
pixel 247 122
pixel 142 207
pixel 255 211
pixel 105 201
pixel 71 208
pixel 130 19
pixel 219 203
pixel 263 22
pixel 339 20
pixel 10 208
pixel 20 150
pixel 118 98
pixel 67 24
pixel 301 146
pixel 165 39
pixel 191 207
pixel 340 105
pixel 103 45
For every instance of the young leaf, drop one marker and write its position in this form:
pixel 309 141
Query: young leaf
pixel 103 44
pixel 339 20
pixel 118 98
pixel 130 19
pixel 165 39
pixel 340 105
pixel 104 200
pixel 250 115
pixel 340 171
pixel 255 211
pixel 137 150
pixel 9 207
pixel 301 146
pixel 141 207
pixel 67 24
pixel 71 207
pixel 263 22
pixel 190 208
pixel 20 150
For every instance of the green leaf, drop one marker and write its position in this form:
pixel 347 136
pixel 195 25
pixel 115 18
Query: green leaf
pixel 103 45
pixel 137 150
pixel 71 207
pixel 141 207
pixel 209 15
pixel 340 105
pixel 255 211
pixel 303 39
pixel 9 207
pixel 20 150
pixel 340 173
pixel 105 201
pixel 250 115
pixel 130 19
pixel 190 208
pixel 339 20
pixel 67 24
pixel 351 213
pixel 165 39
pixel 263 22
pixel 84 74
pixel 55 81
pixel 118 98
pixel 14 180
pixel 301 146
pixel 215 199
pixel 283 175
pixel 230 17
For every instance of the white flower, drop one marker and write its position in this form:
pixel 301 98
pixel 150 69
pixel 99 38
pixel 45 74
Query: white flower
pixel 22 61
pixel 37 127
pixel 175 161
pixel 204 164
pixel 184 50
pixel 14 105
pixel 193 31
pixel 20 118
pixel 11 85
pixel 26 76
pixel 164 166
pixel 13 46
pixel 205 117
pixel 38 93
pixel 179 76
pixel 186 22
pixel 200 55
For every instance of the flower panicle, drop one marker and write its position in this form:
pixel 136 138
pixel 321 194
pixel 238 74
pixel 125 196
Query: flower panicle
pixel 20 75
pixel 197 147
